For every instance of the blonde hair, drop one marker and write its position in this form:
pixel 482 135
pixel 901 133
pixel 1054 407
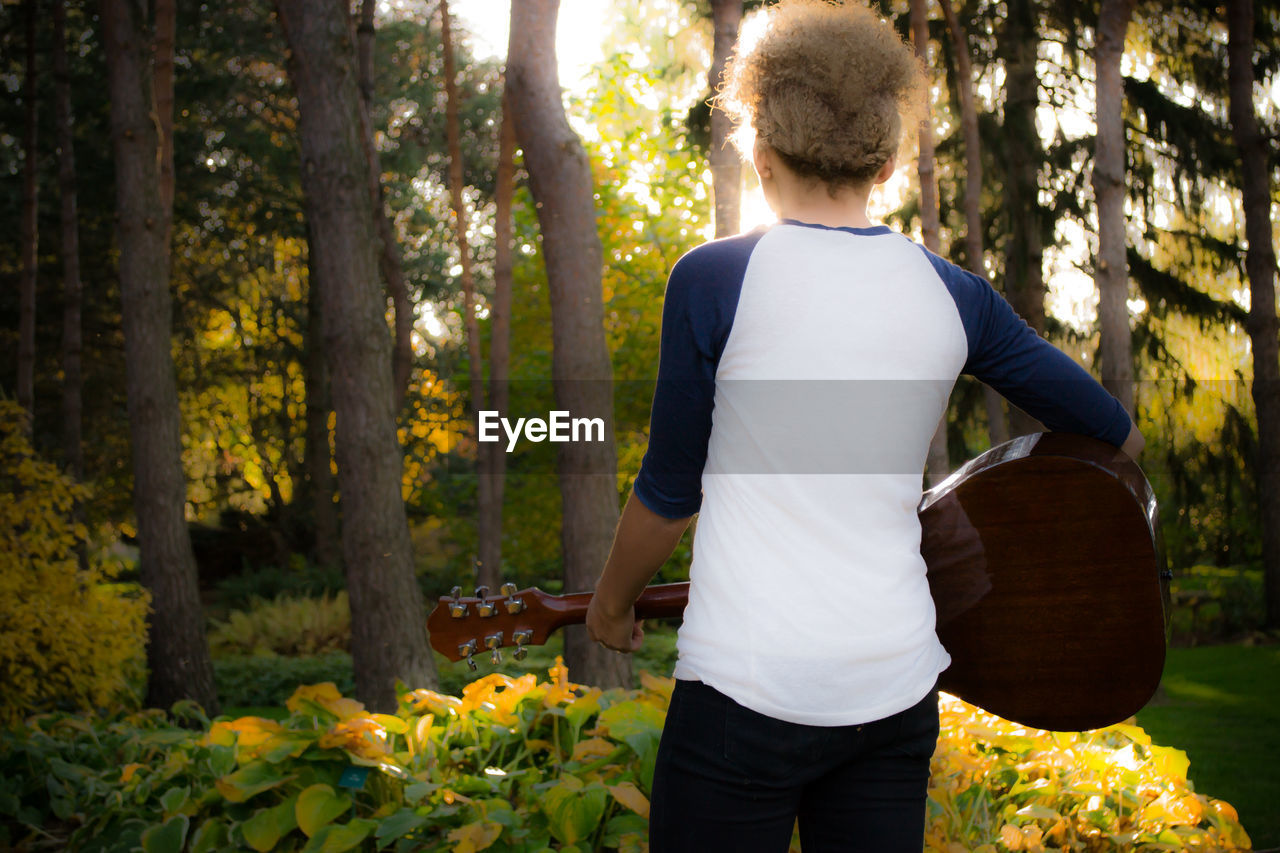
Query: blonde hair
pixel 828 86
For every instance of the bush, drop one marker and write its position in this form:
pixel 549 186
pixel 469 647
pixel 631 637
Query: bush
pixel 1228 603
pixel 259 680
pixel 67 638
pixel 299 579
pixel 285 626
pixel 515 764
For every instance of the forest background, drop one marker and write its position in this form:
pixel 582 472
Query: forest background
pixel 423 262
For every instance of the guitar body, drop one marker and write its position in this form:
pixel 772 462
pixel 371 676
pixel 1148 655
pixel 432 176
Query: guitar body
pixel 1047 572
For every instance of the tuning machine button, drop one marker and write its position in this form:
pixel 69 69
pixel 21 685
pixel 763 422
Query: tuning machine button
pixel 520 638
pixel 484 608
pixel 493 642
pixel 468 649
pixel 457 609
pixel 514 605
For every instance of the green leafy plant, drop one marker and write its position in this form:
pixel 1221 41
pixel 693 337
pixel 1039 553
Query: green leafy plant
pixel 521 764
pixel 258 680
pixel 299 579
pixel 285 626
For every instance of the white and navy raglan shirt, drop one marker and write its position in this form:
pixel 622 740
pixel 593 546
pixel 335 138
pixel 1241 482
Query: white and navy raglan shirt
pixel 803 371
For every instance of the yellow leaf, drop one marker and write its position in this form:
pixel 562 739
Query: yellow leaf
pixel 325 695
pixel 127 772
pixel 595 747
pixel 1011 837
pixel 475 836
pixel 629 795
pixel 1170 763
pixel 660 686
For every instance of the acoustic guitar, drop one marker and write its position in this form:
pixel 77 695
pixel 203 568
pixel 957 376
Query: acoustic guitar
pixel 1047 571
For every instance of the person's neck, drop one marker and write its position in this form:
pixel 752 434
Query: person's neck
pixel 815 205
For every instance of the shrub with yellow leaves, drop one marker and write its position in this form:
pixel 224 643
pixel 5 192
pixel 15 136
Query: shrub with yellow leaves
pixel 520 765
pixel 67 638
pixel 285 625
pixel 999 786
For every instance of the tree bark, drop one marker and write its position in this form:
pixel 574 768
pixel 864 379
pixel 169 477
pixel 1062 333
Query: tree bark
pixel 560 180
pixel 997 426
pixel 1109 193
pixel 1260 263
pixel 72 288
pixel 30 234
pixel 166 23
pixel 499 340
pixel 318 455
pixel 177 651
pixel 389 260
pixel 388 636
pixel 938 465
pixel 486 575
pixel 726 165
pixel 1024 259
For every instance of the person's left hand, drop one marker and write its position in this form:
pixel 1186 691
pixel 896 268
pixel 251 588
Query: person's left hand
pixel 619 631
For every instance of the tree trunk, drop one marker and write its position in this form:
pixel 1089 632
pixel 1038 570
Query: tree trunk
pixel 318 460
pixel 388 636
pixel 26 383
pixel 1260 263
pixel 486 575
pixel 938 465
pixel 1109 192
pixel 1024 260
pixel 997 426
pixel 177 651
pixel 72 336
pixel 166 23
pixel 560 180
pixel 389 261
pixel 499 338
pixel 726 165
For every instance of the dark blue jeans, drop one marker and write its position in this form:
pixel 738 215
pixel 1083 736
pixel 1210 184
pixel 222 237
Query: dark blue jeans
pixel 730 779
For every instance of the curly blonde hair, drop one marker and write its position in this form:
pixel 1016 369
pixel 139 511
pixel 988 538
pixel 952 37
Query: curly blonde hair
pixel 828 86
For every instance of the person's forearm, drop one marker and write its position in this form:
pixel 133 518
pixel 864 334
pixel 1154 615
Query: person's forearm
pixel 643 542
pixel 1133 443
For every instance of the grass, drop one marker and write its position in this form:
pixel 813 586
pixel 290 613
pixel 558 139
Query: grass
pixel 1221 705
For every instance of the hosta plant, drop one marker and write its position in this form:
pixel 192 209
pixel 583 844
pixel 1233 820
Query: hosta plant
pixel 522 764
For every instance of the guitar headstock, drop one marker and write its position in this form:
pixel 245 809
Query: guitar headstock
pixel 464 626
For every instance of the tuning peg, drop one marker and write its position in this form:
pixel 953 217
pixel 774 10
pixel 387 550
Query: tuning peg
pixel 493 642
pixel 514 605
pixel 468 648
pixel 520 638
pixel 484 608
pixel 457 609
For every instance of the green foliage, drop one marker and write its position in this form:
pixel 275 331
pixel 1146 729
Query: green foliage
pixel 518 764
pixel 1211 603
pixel 301 578
pixel 285 626
pixel 68 638
pixel 270 679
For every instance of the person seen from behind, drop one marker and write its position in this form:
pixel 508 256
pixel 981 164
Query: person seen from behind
pixel 803 369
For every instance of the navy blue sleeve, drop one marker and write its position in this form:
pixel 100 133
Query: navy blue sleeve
pixel 1030 372
pixel 697 315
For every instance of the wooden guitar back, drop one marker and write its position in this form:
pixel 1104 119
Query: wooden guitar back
pixel 1047 572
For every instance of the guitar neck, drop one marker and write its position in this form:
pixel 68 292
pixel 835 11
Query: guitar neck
pixel 656 602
